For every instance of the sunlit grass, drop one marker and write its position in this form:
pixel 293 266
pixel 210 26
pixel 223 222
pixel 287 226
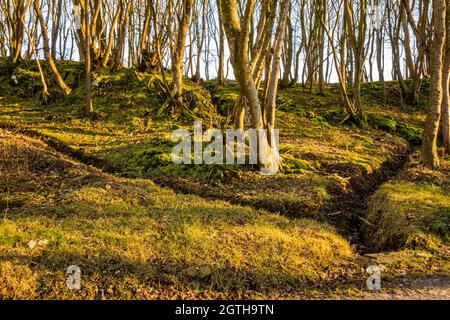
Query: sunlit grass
pixel 116 229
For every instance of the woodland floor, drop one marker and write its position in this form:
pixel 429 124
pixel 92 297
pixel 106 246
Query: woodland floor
pixel 105 195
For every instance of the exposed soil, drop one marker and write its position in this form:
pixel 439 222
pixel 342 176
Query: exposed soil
pixel 347 210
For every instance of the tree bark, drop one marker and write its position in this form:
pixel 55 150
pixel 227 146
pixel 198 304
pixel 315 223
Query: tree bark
pixel 56 22
pixel 88 108
pixel 429 144
pixel 446 86
pixel 270 105
pixel 48 56
pixel 17 27
pixel 221 69
pixel 288 49
pixel 178 52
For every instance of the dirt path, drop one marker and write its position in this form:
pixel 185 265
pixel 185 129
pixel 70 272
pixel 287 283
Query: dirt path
pixel 413 289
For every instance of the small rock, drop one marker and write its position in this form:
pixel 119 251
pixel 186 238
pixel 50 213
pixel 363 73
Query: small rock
pixel 101 294
pixel 198 272
pixel 203 272
pixel 42 242
pixel 31 244
pixel 191 271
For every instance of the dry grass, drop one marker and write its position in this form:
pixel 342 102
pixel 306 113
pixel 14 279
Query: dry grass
pixel 133 239
pixel 412 214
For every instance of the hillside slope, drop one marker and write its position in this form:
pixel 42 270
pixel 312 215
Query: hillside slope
pixel 104 195
pixel 133 239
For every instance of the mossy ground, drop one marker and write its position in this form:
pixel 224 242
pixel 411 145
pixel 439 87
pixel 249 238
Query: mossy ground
pixel 152 237
pixel 411 213
pixel 134 239
pixel 319 155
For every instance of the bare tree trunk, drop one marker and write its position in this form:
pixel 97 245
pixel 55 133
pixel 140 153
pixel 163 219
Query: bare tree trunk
pixel 79 36
pixel 31 41
pixel 17 28
pixel 238 34
pixel 221 69
pixel 342 70
pixel 407 46
pixel 178 53
pixel 416 69
pixel 322 6
pixel 446 87
pixel 429 144
pixel 270 104
pixel 66 90
pixel 288 49
pixel 394 34
pixel 56 22
pixel 359 56
pixel 121 37
pixel 107 53
pixel 200 43
pixel 88 108
pixel 144 38
pixel 247 72
pixel 380 65
pixel 96 29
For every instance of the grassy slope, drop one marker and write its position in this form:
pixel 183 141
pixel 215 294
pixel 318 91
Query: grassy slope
pixel 132 132
pixel 136 240
pixel 320 156
pixel 412 212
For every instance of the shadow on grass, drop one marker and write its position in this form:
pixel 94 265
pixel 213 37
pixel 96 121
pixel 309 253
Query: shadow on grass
pixel 120 277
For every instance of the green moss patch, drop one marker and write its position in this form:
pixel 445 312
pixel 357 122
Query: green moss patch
pixel 412 211
pixel 133 239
